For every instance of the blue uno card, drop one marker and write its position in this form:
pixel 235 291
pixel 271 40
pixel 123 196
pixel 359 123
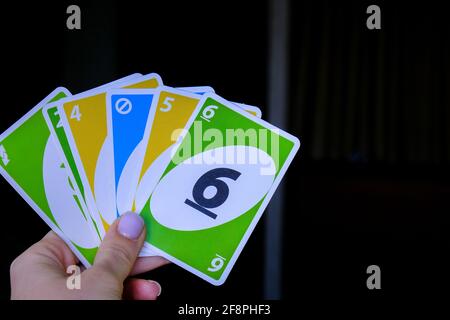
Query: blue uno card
pixel 128 111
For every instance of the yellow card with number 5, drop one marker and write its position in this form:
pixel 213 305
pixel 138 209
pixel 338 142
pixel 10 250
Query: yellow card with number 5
pixel 172 112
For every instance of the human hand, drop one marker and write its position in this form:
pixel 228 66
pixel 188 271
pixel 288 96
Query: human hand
pixel 40 271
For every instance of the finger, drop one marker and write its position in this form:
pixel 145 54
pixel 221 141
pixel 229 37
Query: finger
pixel 52 242
pixel 144 264
pixel 120 247
pixel 140 289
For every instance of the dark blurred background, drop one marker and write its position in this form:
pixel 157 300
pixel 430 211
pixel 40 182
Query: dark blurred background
pixel 370 184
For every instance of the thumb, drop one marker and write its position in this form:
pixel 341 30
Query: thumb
pixel 120 247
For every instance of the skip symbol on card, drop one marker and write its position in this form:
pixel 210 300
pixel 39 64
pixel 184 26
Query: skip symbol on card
pixel 123 106
pixel 4 155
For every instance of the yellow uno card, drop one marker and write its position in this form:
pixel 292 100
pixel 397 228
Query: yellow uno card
pixel 173 110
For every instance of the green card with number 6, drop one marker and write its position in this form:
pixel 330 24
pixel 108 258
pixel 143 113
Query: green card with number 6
pixel 221 176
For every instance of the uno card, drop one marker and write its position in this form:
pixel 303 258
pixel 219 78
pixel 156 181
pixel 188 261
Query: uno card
pixel 83 118
pixel 128 112
pixel 31 164
pixel 57 131
pixel 221 175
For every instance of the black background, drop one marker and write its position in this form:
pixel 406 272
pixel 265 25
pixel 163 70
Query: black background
pixel 371 182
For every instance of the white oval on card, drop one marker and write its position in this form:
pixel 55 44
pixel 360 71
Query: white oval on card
pixel 212 188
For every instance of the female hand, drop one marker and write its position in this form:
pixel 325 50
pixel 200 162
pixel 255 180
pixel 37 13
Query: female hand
pixel 40 272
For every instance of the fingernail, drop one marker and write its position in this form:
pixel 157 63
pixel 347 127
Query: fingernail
pixel 156 284
pixel 130 225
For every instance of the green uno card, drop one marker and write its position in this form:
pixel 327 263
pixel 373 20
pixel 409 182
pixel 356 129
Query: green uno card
pixel 221 176
pixel 30 162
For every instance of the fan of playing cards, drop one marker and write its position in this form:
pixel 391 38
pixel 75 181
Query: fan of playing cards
pixel 199 169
